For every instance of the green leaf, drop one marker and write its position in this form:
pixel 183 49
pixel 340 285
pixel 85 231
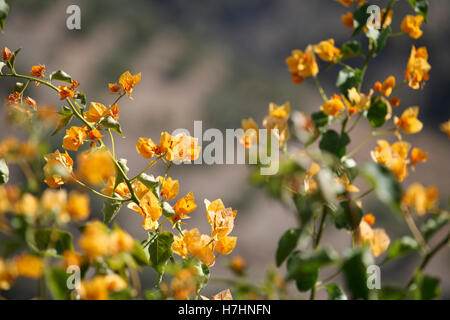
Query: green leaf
pixel 347 215
pixel 110 210
pixel 65 116
pixel 124 294
pixel 434 224
pixel 288 242
pixel 303 262
pixel 425 287
pixel 377 113
pixel 334 143
pixel 203 273
pixel 381 40
pixel 80 100
pixel 360 17
pixel 384 183
pixel 168 211
pixel 4 172
pixel 303 281
pixel 335 292
pixel 52 239
pixel 139 254
pixel 355 266
pixel 4 10
pixel 421 7
pixel 150 182
pixel 61 76
pixel 320 119
pixel 391 293
pixel 401 247
pixel 351 48
pixel 348 79
pixel 110 123
pixel 56 280
pixel 160 251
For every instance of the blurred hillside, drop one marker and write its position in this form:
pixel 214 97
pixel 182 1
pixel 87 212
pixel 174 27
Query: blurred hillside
pixel 220 61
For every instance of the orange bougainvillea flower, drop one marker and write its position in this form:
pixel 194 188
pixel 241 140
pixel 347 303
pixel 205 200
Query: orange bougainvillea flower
pixel 29 266
pixel 121 189
pixel 394 157
pixel 183 207
pixel 31 102
pixel 146 147
pixel 333 106
pixel 97 111
pixel 445 127
pixel 250 136
pixel 94 134
pixel 150 210
pixel 304 64
pixel 65 92
pixel 13 98
pixel 99 287
pixel 38 71
pixel 408 121
pixel 278 119
pixel 127 82
pixel 72 258
pixel 7 54
pixel 114 88
pixel 96 166
pixel 200 246
pixel 377 238
pixel 411 26
pixel 95 240
pixel 74 138
pixel 121 241
pixel 369 218
pixel 347 20
pixel 327 51
pixel 386 87
pixel 417 68
pixel 78 206
pixel 420 198
pixel 359 100
pixel 417 155
pixel 395 101
pixel 169 188
pixel 74 84
pixel 58 169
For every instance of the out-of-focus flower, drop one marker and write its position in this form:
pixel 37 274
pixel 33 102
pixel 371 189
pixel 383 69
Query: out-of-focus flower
pixel 99 287
pixel 184 284
pixel 394 157
pixel 278 119
pixel 128 81
pixel 31 102
pixel 179 246
pixel 183 207
pixel 29 266
pixel 78 206
pixel 38 71
pixel 65 92
pixel 395 101
pixel 347 20
pixel 327 51
pixel 13 99
pixel 121 241
pixel 114 88
pixel 74 138
pixel 376 238
pixel 223 295
pixel 250 136
pixel 417 68
pixel 386 87
pixel 411 26
pixel 96 166
pixel 8 274
pixel 72 258
pixel 27 205
pixel 238 264
pixel 95 240
pixel 420 198
pixel 408 121
pixel 170 188
pixel 417 155
pixel 58 169
pixel 333 106
pixel 445 127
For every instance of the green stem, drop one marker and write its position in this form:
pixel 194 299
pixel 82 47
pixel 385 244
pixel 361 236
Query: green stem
pixel 99 193
pixel 316 243
pixel 320 88
pixel 151 164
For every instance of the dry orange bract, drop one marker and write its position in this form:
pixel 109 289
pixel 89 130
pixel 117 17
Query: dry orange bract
pixel 376 238
pixel 303 64
pixel 74 138
pixel 347 20
pixel 408 121
pixel 65 92
pixel 394 157
pixel 417 68
pixel 420 198
pixel 7 54
pixel 38 71
pixel 78 206
pixel 250 136
pixel 127 82
pixel 146 147
pixel 334 106
pixel 183 207
pixel 96 166
pixel 169 188
pixel 58 169
pixel 150 210
pixel 327 51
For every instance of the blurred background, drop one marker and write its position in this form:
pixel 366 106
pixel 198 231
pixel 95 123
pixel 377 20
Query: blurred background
pixel 221 61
